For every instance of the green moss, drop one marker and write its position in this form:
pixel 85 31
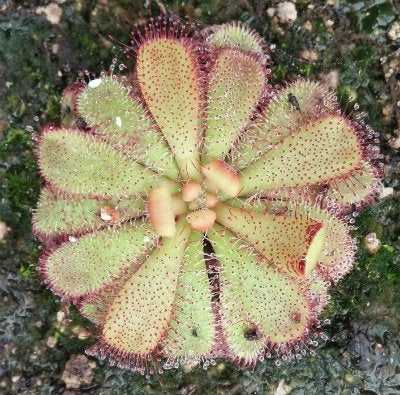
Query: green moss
pixel 375 281
pixel 371 16
pixel 15 105
pixel 20 182
pixel 27 272
pixel 361 71
pixel 286 63
pixel 319 27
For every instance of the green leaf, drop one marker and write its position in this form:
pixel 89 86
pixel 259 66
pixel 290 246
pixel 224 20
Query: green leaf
pixel 231 100
pixel 80 164
pixel 281 118
pixel 86 264
pixel 58 214
pixel 292 243
pixel 92 310
pixel 107 106
pixel 168 76
pixel 324 150
pixel 192 328
pixel 236 35
pixel 360 185
pixel 141 310
pixel 259 304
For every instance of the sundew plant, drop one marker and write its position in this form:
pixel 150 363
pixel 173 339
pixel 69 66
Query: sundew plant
pixel 192 210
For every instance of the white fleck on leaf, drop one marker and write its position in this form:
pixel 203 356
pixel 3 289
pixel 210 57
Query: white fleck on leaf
pixel 94 83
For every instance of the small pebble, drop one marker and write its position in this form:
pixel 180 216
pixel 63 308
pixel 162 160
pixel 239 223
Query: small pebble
pixel 77 371
pixel 307 25
pixel 283 388
pixel 330 79
pixel 38 324
pixel 394 31
pixel 394 142
pixel 372 243
pixel 3 384
pixel 309 55
pixel 4 229
pixel 62 320
pixel 378 346
pixel 386 192
pixel 349 378
pixel 388 74
pixel 81 332
pixel 387 110
pixel 271 11
pixel 53 12
pixel 329 23
pixel 286 12
pixel 15 379
pixel 55 48
pixel 51 341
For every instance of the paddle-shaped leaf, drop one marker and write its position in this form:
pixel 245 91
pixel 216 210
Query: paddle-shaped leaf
pixel 139 315
pixel 87 264
pixel 232 98
pixel 57 214
pixel 191 334
pixel 292 243
pixel 168 76
pixel 259 304
pixel 294 106
pixel 78 163
pixel 317 153
pixel 109 107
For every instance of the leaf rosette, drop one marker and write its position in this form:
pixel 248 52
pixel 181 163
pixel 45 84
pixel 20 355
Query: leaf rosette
pixel 191 210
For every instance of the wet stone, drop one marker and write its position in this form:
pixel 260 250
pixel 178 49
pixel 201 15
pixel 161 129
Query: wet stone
pixel 78 371
pixel 372 243
pixel 4 229
pixel 287 12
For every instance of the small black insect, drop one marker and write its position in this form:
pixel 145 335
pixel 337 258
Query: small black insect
pixel 296 318
pixel 292 99
pixel 81 123
pixel 65 111
pixel 322 194
pixel 194 333
pixel 251 334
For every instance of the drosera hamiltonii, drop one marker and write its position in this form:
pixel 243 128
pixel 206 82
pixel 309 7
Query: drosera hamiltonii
pixel 192 211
